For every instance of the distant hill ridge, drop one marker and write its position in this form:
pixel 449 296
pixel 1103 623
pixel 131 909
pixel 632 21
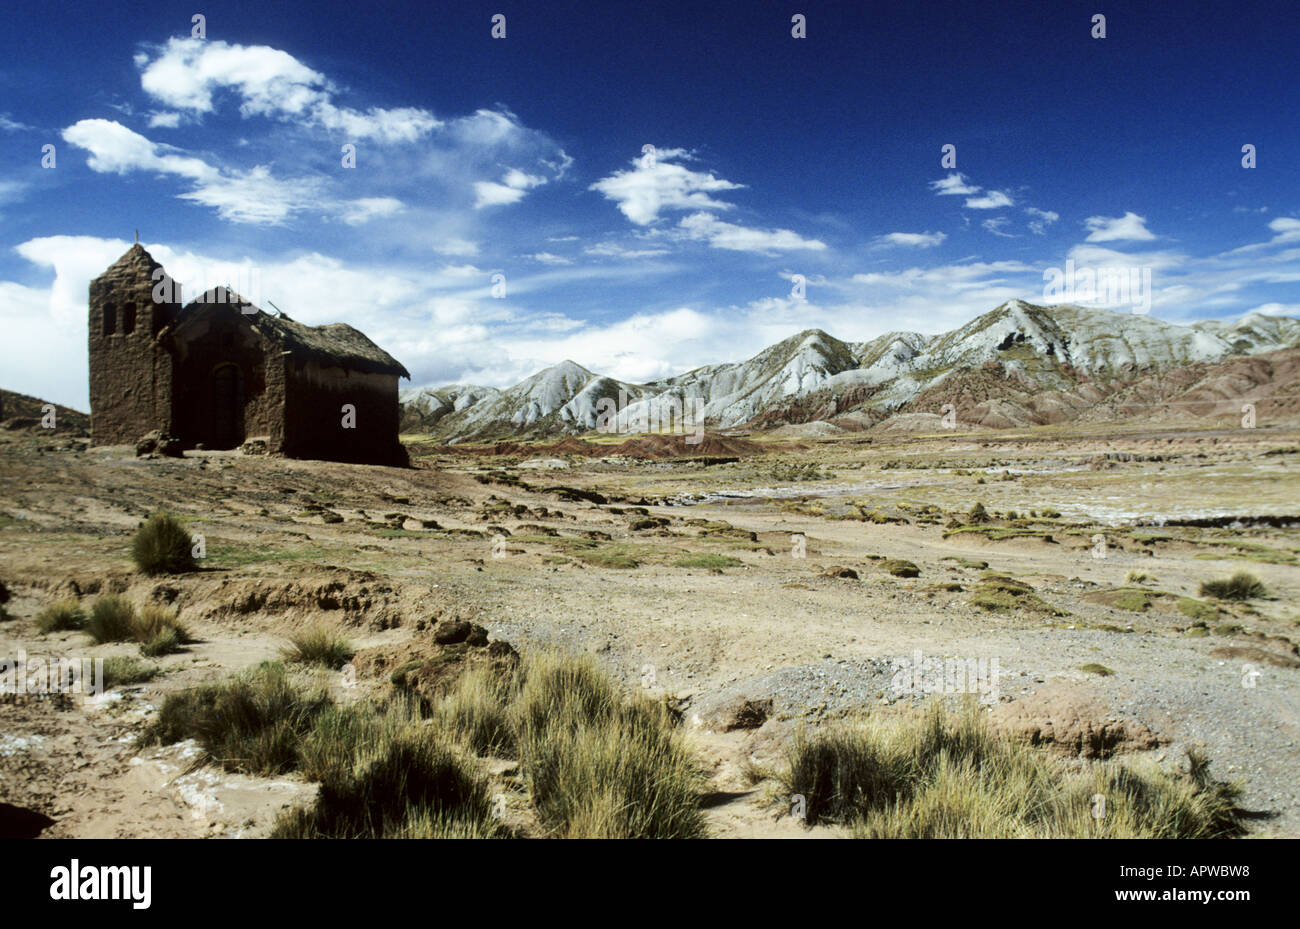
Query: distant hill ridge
pixel 1019 364
pixel 16 406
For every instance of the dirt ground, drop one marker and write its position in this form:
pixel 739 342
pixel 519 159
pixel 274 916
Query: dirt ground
pixel 713 581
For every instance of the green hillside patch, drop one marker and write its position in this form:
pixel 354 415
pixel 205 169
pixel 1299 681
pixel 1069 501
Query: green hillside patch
pixel 1001 533
pixel 1132 599
pixel 898 567
pixel 1099 669
pixel 1198 609
pixel 709 561
pixel 998 593
pixel 236 556
pixel 966 563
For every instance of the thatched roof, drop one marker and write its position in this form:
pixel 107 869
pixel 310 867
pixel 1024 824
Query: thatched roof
pixel 332 344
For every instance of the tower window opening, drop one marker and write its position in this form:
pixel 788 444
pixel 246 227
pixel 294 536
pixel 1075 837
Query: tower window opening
pixel 128 319
pixel 110 319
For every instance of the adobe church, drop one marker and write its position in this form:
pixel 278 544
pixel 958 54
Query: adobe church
pixel 220 371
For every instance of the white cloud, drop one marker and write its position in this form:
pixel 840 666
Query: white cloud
pixel 456 247
pixel 612 250
pixel 39 355
pixel 489 193
pixel 356 212
pixel 1287 229
pixel 165 120
pixel 1276 309
pixel 74 261
pixel 116 149
pixel 655 184
pixel 912 239
pixel 1043 219
pixel 522 181
pixel 736 238
pixel 253 196
pixel 954 184
pixel 1106 229
pixel 548 258
pixel 11 125
pixel 996 226
pixel 992 200
pixel 967 276
pixel 1097 256
pixel 187 72
pixel 11 191
pixel 514 184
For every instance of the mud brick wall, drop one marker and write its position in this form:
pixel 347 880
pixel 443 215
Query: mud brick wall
pixel 221 338
pixel 130 372
pixel 315 395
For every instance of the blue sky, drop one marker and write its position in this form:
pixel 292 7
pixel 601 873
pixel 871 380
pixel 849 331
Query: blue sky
pixel 523 159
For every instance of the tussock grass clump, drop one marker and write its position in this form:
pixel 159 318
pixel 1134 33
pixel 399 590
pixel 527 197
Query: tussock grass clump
pixel 112 619
pixel 159 631
pixel 319 647
pixel 162 546
pixel 119 671
pixel 948 775
pixel 384 770
pixel 1241 586
pixel 385 773
pixel 251 722
pixel 61 615
pixel 1136 576
pixel 596 763
pixel 599 766
pixel 479 709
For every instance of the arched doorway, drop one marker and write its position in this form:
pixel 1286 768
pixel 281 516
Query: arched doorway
pixel 227 406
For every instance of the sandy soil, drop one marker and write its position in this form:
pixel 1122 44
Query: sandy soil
pixel 582 554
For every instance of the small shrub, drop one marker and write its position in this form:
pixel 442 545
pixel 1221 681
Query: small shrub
pixel 321 647
pixel 978 514
pixel 1241 586
pixel 900 568
pixel 162 546
pixel 165 642
pixel 1136 576
pixel 478 709
pixel 948 775
pixel 119 671
pixel 1099 669
pixel 159 631
pixel 251 722
pixel 385 773
pixel 601 767
pixel 61 615
pixel 112 619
